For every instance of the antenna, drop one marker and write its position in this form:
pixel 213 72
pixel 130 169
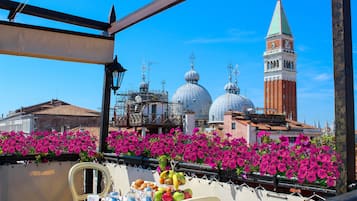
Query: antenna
pixel 143 68
pixel 163 82
pixel 149 64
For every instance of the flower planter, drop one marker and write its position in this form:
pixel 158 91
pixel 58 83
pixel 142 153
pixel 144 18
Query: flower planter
pixel 273 183
pixel 13 159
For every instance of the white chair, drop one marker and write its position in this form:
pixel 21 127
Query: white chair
pixel 88 165
pixel 204 198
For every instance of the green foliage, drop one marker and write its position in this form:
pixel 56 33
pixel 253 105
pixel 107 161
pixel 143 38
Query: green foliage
pixel 325 139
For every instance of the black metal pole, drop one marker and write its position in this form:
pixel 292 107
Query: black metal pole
pixel 344 94
pixel 104 119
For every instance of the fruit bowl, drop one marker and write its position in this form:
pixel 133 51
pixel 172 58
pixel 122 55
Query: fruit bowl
pixel 168 194
pixel 140 185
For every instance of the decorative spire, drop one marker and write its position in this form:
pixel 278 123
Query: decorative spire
pixel 192 76
pixel 279 23
pixel 236 73
pixel 230 71
pixel 192 58
pixel 112 15
pixel 231 87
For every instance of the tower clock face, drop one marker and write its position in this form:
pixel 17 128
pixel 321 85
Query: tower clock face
pixel 287 44
pixel 272 45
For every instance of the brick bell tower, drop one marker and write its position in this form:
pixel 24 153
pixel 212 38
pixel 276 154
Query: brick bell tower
pixel 280 67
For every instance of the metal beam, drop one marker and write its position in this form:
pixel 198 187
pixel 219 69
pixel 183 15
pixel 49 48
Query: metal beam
pixel 54 15
pixel 344 94
pixel 43 42
pixel 147 11
pixel 104 118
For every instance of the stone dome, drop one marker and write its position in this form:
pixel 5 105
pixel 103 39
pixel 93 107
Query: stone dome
pixel 192 76
pixel 144 86
pixel 193 97
pixel 230 101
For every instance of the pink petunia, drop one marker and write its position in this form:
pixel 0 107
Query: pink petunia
pixel 311 176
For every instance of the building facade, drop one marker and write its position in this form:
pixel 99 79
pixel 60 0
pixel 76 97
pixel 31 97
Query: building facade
pixel 248 125
pixel 280 67
pixel 51 115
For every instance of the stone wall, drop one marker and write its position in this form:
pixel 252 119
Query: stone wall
pixel 57 122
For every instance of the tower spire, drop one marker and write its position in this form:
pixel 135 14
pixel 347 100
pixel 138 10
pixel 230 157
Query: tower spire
pixel 280 66
pixel 279 22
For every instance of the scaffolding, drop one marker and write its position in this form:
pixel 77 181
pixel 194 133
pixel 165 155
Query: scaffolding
pixel 147 109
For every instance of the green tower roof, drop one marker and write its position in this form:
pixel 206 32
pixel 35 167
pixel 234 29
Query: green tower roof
pixel 279 23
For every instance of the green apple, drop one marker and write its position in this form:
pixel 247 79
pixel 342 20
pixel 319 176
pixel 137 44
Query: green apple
pixel 158 195
pixel 162 189
pixel 178 196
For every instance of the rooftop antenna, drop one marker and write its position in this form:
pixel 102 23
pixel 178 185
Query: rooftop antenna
pixel 192 58
pixel 163 82
pixel 149 64
pixel 143 68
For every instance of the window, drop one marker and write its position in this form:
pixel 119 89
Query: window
pixel 153 109
pixel 292 140
pixel 233 125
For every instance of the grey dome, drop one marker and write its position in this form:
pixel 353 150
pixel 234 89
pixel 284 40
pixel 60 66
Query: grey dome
pixel 231 88
pixel 144 87
pixel 231 101
pixel 193 97
pixel 192 76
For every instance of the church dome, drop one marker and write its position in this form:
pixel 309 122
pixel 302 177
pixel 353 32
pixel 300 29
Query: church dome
pixel 231 101
pixel 144 87
pixel 231 88
pixel 193 97
pixel 192 76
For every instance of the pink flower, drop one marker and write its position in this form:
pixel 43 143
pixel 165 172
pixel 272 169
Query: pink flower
pixel 331 181
pixel 281 167
pixel 321 173
pixel 311 176
pixel 263 133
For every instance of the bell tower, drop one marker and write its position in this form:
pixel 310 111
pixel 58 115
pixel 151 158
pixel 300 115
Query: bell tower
pixel 280 67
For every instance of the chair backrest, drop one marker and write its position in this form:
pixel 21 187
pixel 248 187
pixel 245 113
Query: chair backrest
pixel 204 198
pixel 88 165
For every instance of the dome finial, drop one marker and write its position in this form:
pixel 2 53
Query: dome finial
pixel 231 87
pixel 192 58
pixel 192 76
pixel 236 73
pixel 230 70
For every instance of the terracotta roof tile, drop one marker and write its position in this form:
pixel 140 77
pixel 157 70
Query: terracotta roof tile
pixel 69 110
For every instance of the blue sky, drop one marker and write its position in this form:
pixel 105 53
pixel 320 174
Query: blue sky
pixel 217 32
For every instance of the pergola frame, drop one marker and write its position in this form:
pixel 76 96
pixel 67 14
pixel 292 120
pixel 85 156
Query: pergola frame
pixel 343 69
